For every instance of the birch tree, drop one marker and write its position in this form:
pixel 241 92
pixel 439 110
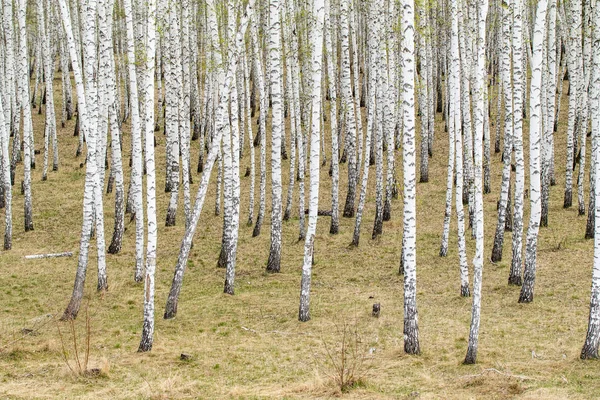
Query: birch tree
pixel 590 347
pixel 275 75
pixel 535 143
pixel 479 113
pixel 148 325
pixel 318 13
pixel 409 244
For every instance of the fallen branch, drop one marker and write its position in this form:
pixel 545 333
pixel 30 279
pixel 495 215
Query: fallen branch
pixel 49 255
pixel 320 213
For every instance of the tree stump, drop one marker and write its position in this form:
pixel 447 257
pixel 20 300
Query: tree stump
pixel 376 310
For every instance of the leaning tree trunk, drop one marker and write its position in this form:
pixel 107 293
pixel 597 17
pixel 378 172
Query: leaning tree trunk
pixel 91 174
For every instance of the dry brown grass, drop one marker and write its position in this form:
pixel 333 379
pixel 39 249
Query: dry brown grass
pixel 252 346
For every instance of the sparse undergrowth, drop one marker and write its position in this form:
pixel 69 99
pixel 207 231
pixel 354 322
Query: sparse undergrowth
pixel 271 358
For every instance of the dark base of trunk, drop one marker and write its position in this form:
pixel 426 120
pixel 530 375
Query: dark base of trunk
pixel 581 210
pixel 515 280
pixel 170 221
pixel 257 139
pixel 411 344
pixel 464 291
pixel 497 252
pixel 424 178
pixel 568 202
pixel 145 344
pixel 526 295
pixel 274 263
pixel 349 206
pixel 102 284
pixel 257 227
pixel 387 210
pixel 544 220
pixel 344 157
pixel 222 261
pixel 377 228
pixel 200 165
pixel 589 351
pixel 286 214
pixel 170 309
pixel 471 357
pixel 110 184
pixel 228 288
pixel 589 227
pixel 303 315
pixel 115 245
pixel 443 251
pixel 72 310
pixel 334 228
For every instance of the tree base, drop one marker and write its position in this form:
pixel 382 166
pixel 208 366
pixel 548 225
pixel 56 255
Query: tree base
pixel 515 280
pixel 464 291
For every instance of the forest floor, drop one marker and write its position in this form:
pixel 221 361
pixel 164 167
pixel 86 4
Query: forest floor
pixel 251 345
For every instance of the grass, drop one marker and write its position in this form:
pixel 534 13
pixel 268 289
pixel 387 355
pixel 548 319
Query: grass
pixel 251 346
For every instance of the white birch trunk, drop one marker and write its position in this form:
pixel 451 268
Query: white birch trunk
pixel 479 113
pixel 518 89
pixel 318 13
pixel 136 147
pixel 590 347
pixel 535 143
pixel 148 325
pixel 275 75
pixel 409 257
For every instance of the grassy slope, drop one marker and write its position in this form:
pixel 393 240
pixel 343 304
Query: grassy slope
pixel 251 345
